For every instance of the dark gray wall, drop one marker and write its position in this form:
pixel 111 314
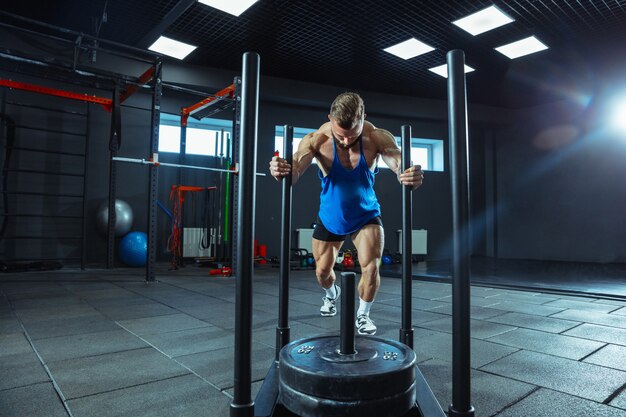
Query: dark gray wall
pixel 534 194
pixel 560 186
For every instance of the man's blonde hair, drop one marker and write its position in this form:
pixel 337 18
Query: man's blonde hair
pixel 347 110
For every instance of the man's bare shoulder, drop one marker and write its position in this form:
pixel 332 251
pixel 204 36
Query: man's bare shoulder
pixel 319 137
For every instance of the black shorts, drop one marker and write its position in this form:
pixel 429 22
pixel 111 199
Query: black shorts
pixel 321 233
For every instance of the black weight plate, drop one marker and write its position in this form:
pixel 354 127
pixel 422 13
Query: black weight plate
pixel 306 405
pixel 380 368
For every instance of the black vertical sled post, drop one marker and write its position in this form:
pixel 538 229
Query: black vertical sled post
pixel 282 331
pixel 242 405
pixel 459 177
pixel 406 331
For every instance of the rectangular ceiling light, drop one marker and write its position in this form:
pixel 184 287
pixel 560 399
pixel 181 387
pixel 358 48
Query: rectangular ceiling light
pixel 409 49
pixel 443 70
pixel 520 48
pixel 234 7
pixel 483 21
pixel 170 47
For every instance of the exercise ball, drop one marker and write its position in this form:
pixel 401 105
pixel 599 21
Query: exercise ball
pixel 133 249
pixel 123 214
pixel 387 260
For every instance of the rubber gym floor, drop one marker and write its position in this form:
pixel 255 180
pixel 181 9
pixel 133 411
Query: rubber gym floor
pixel 105 343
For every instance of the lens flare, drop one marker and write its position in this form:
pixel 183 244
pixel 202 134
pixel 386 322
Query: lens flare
pixel 619 115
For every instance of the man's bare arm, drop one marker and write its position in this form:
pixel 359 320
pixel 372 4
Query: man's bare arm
pixel 302 158
pixel 391 154
pixel 388 149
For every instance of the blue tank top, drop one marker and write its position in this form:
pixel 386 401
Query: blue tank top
pixel 347 200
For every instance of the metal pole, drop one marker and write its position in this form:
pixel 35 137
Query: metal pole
pixel 114 145
pixel 457 123
pixel 166 164
pixel 242 405
pixel 283 331
pixel 347 314
pixel 155 113
pixel 406 332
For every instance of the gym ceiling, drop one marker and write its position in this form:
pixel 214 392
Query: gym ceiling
pixel 341 42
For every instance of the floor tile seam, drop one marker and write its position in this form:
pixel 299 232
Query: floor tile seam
pixel 421 324
pixel 526 349
pixel 78 334
pixel 97 308
pixel 519 326
pixel 614 395
pixel 554 291
pixel 191 291
pixel 593 353
pixel 573 361
pixel 512 404
pixel 596 323
pixel 423 361
pixel 480 368
pixel 55 385
pixel 526 311
pixel 132 290
pixel 207 325
pixel 156 301
pixel 597 340
pixel 108 391
pixel 535 384
pixel 173 359
pixel 549 334
pixel 32 384
pixel 59 361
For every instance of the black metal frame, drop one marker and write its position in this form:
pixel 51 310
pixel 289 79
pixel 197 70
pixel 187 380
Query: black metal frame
pixel 426 403
pixel 266 402
pixel 72 72
pixel 242 404
pixel 461 254
pixel 81 236
pixel 153 183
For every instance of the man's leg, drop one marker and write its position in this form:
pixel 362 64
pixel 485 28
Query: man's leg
pixel 369 242
pixel 325 254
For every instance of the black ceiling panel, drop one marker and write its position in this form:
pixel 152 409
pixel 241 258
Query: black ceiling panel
pixel 341 42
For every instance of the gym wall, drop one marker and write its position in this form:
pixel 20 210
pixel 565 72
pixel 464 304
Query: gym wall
pixel 527 202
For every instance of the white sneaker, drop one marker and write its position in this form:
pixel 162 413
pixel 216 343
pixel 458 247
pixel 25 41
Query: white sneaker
pixel 365 325
pixel 329 309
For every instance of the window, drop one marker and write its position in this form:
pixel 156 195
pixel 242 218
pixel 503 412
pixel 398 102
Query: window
pixel 208 137
pixel 426 152
pixel 298 134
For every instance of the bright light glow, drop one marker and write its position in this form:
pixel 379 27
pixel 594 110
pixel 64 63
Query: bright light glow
pixel 520 48
pixel 409 49
pixel 483 21
pixel 619 115
pixel 443 70
pixel 170 47
pixel 234 7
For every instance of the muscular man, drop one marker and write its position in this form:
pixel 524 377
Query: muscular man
pixel 347 150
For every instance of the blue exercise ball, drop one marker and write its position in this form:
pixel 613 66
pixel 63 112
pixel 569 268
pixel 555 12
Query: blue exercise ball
pixel 133 249
pixel 387 260
pixel 123 218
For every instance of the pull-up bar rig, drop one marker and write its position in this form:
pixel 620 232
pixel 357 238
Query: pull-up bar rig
pixel 196 110
pixel 106 103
